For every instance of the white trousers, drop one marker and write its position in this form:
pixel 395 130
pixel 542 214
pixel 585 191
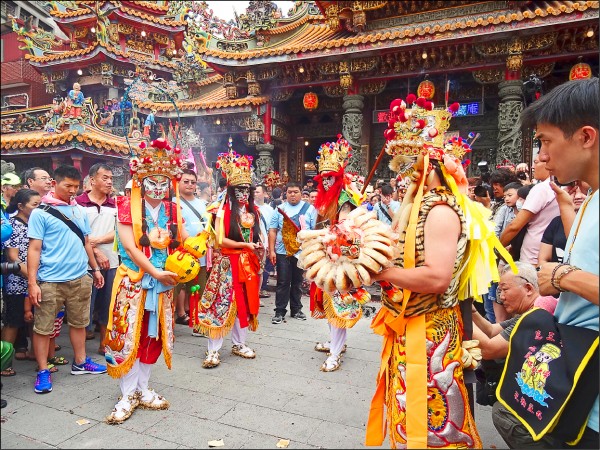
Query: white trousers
pixel 136 379
pixel 338 339
pixel 238 337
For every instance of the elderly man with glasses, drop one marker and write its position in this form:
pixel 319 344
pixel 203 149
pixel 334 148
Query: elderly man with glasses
pixel 38 179
pixel 518 293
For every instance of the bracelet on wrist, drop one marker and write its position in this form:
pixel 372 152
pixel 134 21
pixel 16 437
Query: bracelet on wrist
pixel 553 277
pixel 560 276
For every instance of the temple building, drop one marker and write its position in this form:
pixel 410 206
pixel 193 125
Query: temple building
pixel 282 84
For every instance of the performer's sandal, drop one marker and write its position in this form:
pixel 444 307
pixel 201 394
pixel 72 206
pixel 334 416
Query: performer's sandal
pixel 122 410
pixel 151 400
pixel 325 347
pixel 244 351
pixel 332 363
pixel 211 360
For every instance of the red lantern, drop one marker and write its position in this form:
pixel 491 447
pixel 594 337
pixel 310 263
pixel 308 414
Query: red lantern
pixel 580 71
pixel 310 101
pixel 426 90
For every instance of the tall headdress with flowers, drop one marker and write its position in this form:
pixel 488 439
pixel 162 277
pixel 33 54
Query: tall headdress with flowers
pixel 333 156
pixel 158 158
pixel 236 168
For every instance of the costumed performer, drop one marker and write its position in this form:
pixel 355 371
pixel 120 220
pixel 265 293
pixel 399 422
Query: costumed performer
pixel 337 195
pixel 446 246
pixel 230 299
pixel 140 326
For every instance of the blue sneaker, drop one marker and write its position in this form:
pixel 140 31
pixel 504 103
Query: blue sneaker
pixel 88 366
pixel 43 382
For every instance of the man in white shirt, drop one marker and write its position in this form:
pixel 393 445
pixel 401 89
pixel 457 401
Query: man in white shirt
pixel 101 212
pixel 266 212
pixel 193 211
pixel 387 207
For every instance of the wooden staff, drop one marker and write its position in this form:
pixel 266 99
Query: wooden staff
pixel 373 169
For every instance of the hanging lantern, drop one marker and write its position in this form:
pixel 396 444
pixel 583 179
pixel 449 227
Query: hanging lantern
pixel 426 90
pixel 580 71
pixel 310 101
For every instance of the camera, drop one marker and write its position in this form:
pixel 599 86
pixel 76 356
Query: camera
pixel 8 268
pixel 483 166
pixel 480 191
pixel 522 176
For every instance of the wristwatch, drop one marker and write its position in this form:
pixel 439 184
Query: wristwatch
pixel 97 269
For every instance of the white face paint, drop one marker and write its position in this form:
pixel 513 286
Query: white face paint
pixel 156 187
pixel 242 194
pixel 328 182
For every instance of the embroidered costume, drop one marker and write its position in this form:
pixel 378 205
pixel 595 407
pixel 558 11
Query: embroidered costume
pixel 230 299
pixel 421 376
pixel 336 195
pixel 140 323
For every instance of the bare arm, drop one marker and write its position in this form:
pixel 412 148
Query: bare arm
pixel 108 238
pixel 565 206
pixel 272 239
pixel 485 326
pixel 98 278
pixel 545 254
pixel 33 264
pixel 584 284
pixel 442 229
pixel 491 348
pixel 513 228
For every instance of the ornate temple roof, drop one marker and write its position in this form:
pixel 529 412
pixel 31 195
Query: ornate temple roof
pixel 106 142
pixel 469 18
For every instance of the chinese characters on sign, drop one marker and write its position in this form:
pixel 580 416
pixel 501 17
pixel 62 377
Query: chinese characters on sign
pixel 465 109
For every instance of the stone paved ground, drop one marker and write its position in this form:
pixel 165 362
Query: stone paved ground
pixel 247 403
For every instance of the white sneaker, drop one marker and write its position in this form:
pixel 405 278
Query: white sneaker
pixel 151 400
pixel 244 351
pixel 123 410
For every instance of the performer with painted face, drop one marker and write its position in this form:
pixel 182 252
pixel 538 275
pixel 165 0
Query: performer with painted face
pixel 446 245
pixel 230 300
pixel 337 195
pixel 140 327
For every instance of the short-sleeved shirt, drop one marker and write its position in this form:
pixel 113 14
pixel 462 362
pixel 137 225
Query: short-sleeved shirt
pixel 573 309
pixel 102 220
pixel 394 206
pixel 63 257
pixel 192 223
pixel 266 212
pixel 17 284
pixel 541 202
pixel 504 215
pixel 310 219
pixel 555 236
pixel 508 326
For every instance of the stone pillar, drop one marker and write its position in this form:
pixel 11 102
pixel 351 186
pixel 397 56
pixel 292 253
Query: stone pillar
pixel 511 105
pixel 264 162
pixel 509 131
pixel 352 131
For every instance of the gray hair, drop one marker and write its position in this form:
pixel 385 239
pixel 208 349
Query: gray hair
pixel 525 271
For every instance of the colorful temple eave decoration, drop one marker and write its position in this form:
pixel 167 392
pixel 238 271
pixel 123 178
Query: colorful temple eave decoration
pixel 203 104
pixel 315 37
pixel 25 142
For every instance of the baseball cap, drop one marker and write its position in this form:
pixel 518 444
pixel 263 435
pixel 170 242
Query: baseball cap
pixel 10 179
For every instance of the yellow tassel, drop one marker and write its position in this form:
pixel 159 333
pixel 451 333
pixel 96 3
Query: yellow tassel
pixel 122 369
pixel 333 318
pixel 222 331
pixel 162 318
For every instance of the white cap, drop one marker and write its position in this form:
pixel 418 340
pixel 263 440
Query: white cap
pixel 129 184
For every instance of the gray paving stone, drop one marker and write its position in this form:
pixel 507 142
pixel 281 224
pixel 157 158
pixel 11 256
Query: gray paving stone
pixel 44 424
pixel 109 436
pixel 273 422
pixel 13 440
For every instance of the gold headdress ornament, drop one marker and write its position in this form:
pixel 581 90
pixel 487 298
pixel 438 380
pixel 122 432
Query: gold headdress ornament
pixel 157 158
pixel 333 156
pixel 236 168
pixel 272 179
